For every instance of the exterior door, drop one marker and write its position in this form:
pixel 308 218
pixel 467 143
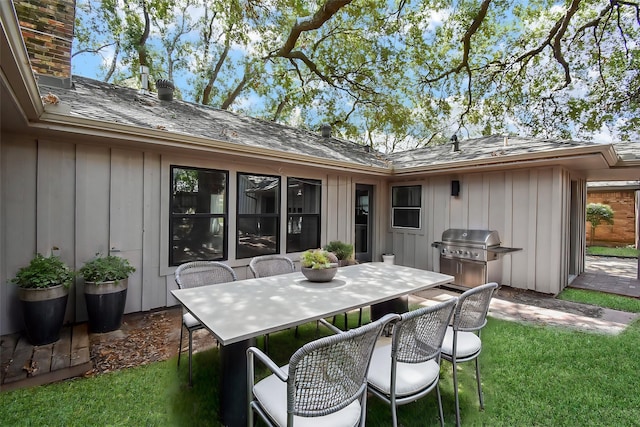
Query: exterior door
pixel 363 222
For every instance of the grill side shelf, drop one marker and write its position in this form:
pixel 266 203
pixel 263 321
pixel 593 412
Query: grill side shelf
pixel 503 250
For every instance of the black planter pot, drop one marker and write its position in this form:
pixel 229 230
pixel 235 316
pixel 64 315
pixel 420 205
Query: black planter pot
pixel 397 305
pixel 105 304
pixel 43 311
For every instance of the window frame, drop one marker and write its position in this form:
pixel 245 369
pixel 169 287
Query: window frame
pixel 277 215
pixel 406 208
pixel 172 215
pixel 318 215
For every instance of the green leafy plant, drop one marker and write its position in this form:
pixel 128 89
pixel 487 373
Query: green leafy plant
pixel 598 213
pixel 317 259
pixel 44 272
pixel 106 269
pixel 343 251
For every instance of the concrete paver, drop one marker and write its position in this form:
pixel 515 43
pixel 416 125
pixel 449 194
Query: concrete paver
pixel 610 274
pixel 532 307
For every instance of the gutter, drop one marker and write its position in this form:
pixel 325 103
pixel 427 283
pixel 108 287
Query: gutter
pixel 51 122
pixel 16 66
pixel 605 151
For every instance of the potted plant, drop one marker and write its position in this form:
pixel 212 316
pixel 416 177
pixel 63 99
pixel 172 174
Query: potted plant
pixel 43 289
pixel 343 251
pixel 105 291
pixel 318 265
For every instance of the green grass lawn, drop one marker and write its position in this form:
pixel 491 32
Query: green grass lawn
pixel 532 375
pixel 601 299
pixel 624 252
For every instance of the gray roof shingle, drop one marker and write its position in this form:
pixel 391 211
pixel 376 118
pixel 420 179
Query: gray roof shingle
pixel 97 100
pixel 488 148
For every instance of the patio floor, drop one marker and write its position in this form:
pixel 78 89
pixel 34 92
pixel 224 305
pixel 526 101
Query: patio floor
pixel 24 365
pixel 610 274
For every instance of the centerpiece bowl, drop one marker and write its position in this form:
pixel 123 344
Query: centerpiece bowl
pixel 319 274
pixel 318 265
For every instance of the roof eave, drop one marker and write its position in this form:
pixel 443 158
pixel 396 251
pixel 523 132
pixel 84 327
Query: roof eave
pixel 162 139
pixel 606 151
pixel 16 70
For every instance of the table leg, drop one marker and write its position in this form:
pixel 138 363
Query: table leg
pixel 233 391
pixel 397 305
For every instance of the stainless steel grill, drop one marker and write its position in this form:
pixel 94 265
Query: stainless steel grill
pixel 471 256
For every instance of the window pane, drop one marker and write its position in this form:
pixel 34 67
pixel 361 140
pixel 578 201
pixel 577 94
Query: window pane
pixel 198 191
pixel 198 213
pixel 258 194
pixel 407 196
pixel 257 236
pixel 196 239
pixel 406 218
pixel 303 232
pixel 303 207
pixel 303 196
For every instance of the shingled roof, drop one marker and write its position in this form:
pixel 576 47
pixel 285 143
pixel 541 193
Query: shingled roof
pixel 93 99
pixel 491 148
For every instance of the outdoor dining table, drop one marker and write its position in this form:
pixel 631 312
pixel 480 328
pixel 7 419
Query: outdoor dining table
pixel 238 312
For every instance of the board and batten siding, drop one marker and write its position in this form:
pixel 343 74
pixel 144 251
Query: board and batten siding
pixel 88 199
pixel 530 209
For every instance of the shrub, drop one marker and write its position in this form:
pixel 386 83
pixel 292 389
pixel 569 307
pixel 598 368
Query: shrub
pixel 44 272
pixel 106 269
pixel 342 250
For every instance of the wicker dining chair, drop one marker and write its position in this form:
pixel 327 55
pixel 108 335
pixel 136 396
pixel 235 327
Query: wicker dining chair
pixel 408 367
pixel 192 275
pixel 271 265
pixel 462 341
pixel 324 383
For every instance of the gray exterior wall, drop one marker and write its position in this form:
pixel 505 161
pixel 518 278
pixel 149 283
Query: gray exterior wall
pixel 530 208
pixel 89 198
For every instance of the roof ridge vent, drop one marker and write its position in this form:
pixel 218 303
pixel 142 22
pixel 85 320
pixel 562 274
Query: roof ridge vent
pixel 325 130
pixel 505 140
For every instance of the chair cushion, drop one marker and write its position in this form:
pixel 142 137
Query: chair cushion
pixel 468 344
pixel 189 321
pixel 271 393
pixel 410 377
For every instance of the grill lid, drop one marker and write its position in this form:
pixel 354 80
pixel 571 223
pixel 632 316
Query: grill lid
pixel 476 237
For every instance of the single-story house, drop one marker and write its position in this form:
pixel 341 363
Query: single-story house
pixel 109 169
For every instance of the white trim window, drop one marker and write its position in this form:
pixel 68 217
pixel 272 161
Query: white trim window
pixel 406 206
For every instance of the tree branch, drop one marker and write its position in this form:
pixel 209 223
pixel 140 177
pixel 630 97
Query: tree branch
pixel 94 50
pixel 234 94
pixel 466 43
pixel 322 15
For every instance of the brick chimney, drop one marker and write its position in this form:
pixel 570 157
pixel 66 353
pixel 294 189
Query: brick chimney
pixel 47 30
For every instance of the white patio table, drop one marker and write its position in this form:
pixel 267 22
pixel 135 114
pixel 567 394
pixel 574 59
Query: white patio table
pixel 238 312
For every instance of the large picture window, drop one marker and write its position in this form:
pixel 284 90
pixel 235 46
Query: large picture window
pixel 258 226
pixel 198 226
pixel 303 214
pixel 406 206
